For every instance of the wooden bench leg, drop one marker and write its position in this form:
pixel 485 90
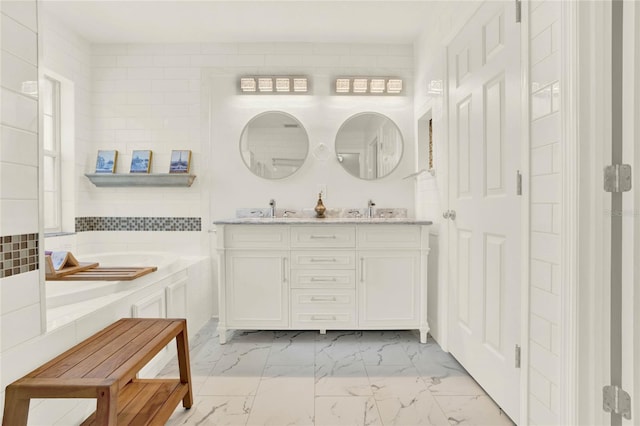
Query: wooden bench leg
pixel 16 410
pixel 185 367
pixel 107 406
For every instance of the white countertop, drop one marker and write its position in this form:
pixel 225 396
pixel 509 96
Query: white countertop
pixel 317 221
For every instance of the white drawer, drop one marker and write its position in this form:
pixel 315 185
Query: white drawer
pixel 332 321
pixel 256 236
pixel 389 236
pixel 308 300
pixel 323 236
pixel 323 278
pixel 323 259
pixel 316 309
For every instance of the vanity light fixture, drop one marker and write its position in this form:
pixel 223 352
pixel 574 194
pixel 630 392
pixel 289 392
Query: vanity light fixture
pixel 270 85
pixel 368 86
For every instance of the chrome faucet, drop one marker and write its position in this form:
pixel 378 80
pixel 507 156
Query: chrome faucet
pixel 370 205
pixel 354 213
pixel 286 213
pixel 253 213
pixel 272 204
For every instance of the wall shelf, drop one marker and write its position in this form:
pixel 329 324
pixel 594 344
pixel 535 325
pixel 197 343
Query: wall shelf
pixel 154 179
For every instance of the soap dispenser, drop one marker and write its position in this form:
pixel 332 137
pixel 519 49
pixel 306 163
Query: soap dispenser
pixel 320 208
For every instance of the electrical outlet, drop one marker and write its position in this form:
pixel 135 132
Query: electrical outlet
pixel 322 189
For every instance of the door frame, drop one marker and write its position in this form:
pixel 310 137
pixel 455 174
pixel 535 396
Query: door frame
pixel 586 124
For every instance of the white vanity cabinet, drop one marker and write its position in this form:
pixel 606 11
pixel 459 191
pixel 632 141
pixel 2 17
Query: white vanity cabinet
pixel 319 275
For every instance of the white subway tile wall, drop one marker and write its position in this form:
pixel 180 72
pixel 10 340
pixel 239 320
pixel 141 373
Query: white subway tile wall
pixel 545 212
pixel 20 316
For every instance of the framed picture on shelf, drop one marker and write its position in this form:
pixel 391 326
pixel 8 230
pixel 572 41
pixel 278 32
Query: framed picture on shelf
pixel 180 161
pixel 140 161
pixel 106 161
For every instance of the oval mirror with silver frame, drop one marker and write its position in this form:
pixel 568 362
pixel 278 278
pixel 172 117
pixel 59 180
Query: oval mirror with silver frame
pixel 369 145
pixel 274 145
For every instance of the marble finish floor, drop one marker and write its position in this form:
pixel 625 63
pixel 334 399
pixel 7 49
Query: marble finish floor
pixel 341 378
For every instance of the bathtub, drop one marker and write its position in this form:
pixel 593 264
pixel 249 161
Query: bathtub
pixel 182 287
pixel 69 301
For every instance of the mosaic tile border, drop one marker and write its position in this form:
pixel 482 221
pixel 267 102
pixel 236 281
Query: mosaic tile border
pixel 18 254
pixel 114 223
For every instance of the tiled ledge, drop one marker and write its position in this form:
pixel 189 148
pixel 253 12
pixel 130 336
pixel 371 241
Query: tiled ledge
pixel 114 223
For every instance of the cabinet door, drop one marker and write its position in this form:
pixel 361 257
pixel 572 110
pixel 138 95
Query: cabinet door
pixel 257 288
pixel 389 288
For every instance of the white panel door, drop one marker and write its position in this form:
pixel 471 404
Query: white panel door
pixel 484 108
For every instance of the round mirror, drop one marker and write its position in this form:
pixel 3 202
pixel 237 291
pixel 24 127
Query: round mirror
pixel 369 145
pixel 273 145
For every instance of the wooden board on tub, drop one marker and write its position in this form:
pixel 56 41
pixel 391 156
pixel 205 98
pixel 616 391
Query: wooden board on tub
pixel 51 274
pixel 114 273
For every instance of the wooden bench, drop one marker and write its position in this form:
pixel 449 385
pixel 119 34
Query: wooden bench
pixel 105 367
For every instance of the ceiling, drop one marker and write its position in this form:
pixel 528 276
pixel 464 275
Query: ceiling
pixel 354 21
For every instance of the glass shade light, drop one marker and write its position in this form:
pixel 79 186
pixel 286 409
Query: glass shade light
pixel 265 84
pixel 360 85
pixel 394 85
pixel 283 84
pixel 377 85
pixel 248 84
pixel 343 85
pixel 300 85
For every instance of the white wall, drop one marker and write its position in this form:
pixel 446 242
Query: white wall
pixel 20 314
pixel 68 57
pixel 545 244
pixel 19 166
pixel 321 114
pixel 185 96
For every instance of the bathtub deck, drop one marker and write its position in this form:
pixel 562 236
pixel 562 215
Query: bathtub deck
pixel 107 274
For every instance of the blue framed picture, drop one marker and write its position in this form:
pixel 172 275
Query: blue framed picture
pixel 106 161
pixel 140 161
pixel 180 161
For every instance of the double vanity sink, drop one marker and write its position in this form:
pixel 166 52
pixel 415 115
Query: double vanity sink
pixel 334 273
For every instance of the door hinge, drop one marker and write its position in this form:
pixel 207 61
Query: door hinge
pixel 518 183
pixel 617 178
pixel 518 11
pixel 616 400
pixel 517 356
